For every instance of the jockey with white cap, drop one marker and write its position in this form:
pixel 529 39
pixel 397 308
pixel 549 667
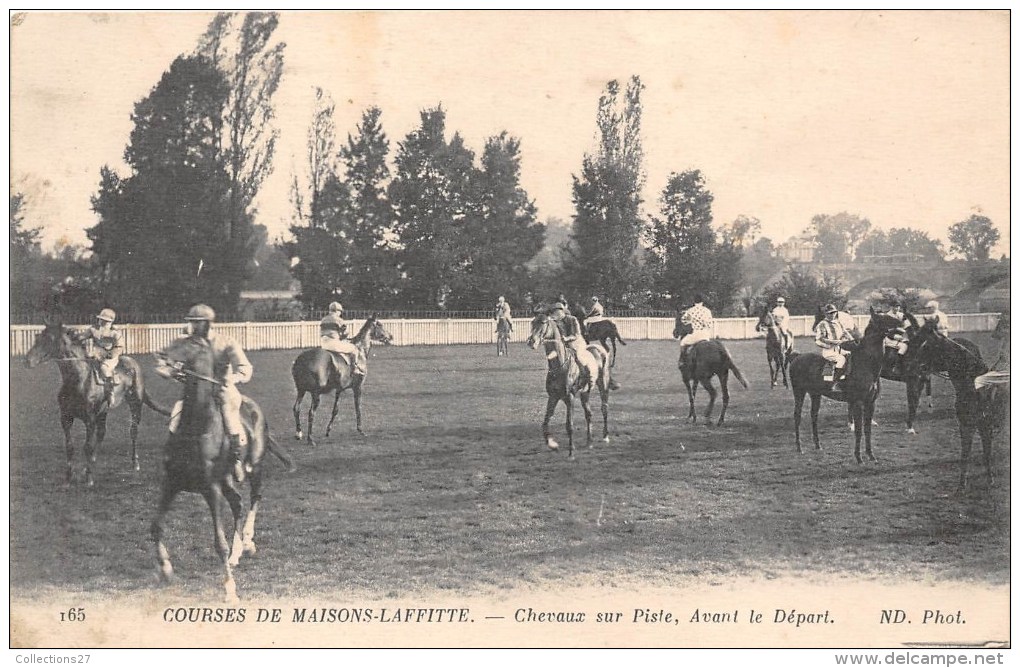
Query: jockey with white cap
pixel 596 313
pixel 104 344
pixel 938 317
pixel 781 317
pixel 829 336
pixel 333 337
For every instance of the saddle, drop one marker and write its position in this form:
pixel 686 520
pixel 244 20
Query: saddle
pixel 336 357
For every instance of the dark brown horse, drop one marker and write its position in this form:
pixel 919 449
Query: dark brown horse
pixel 566 377
pixel 961 360
pixel 896 371
pixel 860 386
pixel 603 331
pixel 81 395
pixel 706 359
pixel 317 371
pixel 776 349
pixel 197 459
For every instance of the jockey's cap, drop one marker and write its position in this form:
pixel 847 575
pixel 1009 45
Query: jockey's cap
pixel 780 300
pixel 559 306
pixel 502 298
pixel 594 299
pixel 336 307
pixel 933 304
pixel 201 312
pixel 107 314
pixel 831 308
pixel 699 298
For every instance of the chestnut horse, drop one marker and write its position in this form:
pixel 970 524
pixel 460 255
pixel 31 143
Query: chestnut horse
pixel 776 350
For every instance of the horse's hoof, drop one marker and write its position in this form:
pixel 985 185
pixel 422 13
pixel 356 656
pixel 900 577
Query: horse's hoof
pixel 775 384
pixel 249 549
pixel 911 431
pixel 299 435
pixel 165 573
pixel 605 439
pixel 326 434
pixel 874 423
pixel 553 445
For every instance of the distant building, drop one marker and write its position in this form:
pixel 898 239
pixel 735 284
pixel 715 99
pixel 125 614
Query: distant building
pixel 798 249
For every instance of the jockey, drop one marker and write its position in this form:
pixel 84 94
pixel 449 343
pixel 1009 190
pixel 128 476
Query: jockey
pixel 829 336
pixel 104 344
pixel 230 367
pixel 570 329
pixel 596 313
pixel 503 312
pixel 938 317
pixel 782 319
pixel 700 320
pixel 333 337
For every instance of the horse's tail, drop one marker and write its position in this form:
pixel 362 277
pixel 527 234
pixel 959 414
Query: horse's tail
pixel 280 452
pixel 733 367
pixel 151 403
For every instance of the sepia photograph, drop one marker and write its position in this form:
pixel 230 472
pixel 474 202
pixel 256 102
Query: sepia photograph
pixel 497 329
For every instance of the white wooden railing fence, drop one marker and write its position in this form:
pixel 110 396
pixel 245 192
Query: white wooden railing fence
pixel 141 339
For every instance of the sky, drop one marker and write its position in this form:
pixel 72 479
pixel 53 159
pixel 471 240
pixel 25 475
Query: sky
pixel 901 117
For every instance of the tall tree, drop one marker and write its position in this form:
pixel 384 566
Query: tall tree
pixel 839 236
pixel 604 252
pixel 374 280
pixel 25 259
pixel 432 204
pixel 160 241
pixel 242 47
pixel 684 256
pixel 805 293
pixel 743 231
pixel 973 238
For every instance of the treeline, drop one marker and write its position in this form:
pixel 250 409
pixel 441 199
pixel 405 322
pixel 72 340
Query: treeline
pixel 421 223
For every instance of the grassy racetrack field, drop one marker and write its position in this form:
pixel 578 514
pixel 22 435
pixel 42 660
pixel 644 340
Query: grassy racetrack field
pixel 452 487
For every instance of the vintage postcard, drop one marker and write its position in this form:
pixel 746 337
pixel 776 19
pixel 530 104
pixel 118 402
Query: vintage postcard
pixel 197 198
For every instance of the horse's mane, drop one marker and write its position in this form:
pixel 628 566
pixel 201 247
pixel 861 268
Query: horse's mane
pixel 365 328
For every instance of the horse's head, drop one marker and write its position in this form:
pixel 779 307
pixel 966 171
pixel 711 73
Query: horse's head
pixel 681 328
pixel 819 316
pixel 377 332
pixel 542 328
pixel 886 324
pixel 52 343
pixel 765 320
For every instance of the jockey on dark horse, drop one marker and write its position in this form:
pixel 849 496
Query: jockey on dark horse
pixel 830 336
pixel 700 320
pixel 104 344
pixel 333 336
pixel 231 367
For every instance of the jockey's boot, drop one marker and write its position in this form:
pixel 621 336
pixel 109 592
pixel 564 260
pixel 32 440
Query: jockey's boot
pixel 837 378
pixel 237 455
pixel 613 385
pixel 683 358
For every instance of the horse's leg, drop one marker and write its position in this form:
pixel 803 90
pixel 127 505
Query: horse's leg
pixel 311 416
pixel 869 411
pixel 550 408
pixel 135 404
pixel 297 415
pixel 773 372
pixel 66 422
pixel 966 442
pixel 233 498
pixel 248 533
pixel 913 397
pixel 166 497
pixel 724 378
pixel 707 384
pixel 586 406
pixel 985 430
pixel 858 412
pixel 356 391
pixel 90 450
pixel 798 406
pixel 783 363
pixel 849 417
pixel 604 395
pixel 569 401
pixel 336 408
pixel 927 385
pixel 692 391
pixel 816 403
pixel 214 499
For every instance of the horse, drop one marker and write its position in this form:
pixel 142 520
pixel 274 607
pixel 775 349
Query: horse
pixel 704 360
pixel 961 360
pixel 894 370
pixel 502 337
pixel 82 393
pixel 317 371
pixel 565 378
pixel 860 386
pixel 604 331
pixel 197 459
pixel 775 347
